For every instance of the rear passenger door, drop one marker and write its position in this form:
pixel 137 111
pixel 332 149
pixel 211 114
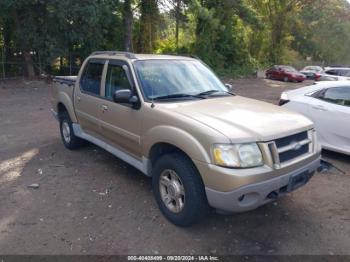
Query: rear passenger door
pixel 120 123
pixel 87 100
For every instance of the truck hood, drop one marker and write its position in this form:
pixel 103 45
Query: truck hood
pixel 242 119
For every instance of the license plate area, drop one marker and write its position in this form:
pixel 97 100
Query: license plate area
pixel 298 180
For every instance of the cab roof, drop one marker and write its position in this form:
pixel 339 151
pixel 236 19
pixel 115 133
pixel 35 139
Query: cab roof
pixel 132 56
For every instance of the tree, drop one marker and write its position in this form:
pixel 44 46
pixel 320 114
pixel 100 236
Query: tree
pixel 128 26
pixel 148 25
pixel 220 32
pixel 226 34
pixel 323 31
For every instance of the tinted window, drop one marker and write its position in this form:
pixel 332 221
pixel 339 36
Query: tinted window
pixel 91 80
pixel 116 80
pixel 332 72
pixel 337 95
pixel 344 72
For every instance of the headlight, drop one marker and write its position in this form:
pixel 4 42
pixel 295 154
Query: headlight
pixel 238 155
pixel 284 96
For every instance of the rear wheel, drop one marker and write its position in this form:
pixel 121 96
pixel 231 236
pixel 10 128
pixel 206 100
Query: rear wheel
pixel 179 190
pixel 69 139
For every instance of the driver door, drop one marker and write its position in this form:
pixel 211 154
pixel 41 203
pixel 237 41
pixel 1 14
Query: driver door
pixel 120 123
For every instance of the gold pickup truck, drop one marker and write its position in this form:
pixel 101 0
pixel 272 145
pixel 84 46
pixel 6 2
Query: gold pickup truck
pixel 175 121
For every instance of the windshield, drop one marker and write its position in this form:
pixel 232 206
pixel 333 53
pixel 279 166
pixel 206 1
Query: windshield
pixel 312 68
pixel 289 69
pixel 161 78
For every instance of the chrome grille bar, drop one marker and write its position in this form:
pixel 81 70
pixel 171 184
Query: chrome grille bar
pixel 293 146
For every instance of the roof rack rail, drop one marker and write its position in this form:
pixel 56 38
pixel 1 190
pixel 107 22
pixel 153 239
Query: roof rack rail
pixel 127 54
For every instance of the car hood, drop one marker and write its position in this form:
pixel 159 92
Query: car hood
pixel 304 90
pixel 242 119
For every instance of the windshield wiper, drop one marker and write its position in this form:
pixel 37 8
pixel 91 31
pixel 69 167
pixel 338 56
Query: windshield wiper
pixel 210 92
pixel 180 95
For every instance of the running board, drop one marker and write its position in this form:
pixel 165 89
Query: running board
pixel 140 165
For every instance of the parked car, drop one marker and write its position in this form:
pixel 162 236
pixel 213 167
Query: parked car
pixel 327 104
pixel 285 73
pixel 338 65
pixel 335 74
pixel 175 121
pixel 312 72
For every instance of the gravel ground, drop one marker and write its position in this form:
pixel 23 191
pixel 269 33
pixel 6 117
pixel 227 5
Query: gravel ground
pixel 89 202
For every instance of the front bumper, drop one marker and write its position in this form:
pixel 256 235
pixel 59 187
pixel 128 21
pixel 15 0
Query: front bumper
pixel 251 196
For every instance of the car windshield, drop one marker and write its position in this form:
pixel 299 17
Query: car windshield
pixel 312 68
pixel 289 69
pixel 177 79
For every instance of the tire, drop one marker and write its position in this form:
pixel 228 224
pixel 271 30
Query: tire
pixel 268 76
pixel 286 79
pixel 69 139
pixel 194 201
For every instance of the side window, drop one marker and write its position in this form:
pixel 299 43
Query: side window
pixel 332 72
pixel 91 79
pixel 345 72
pixel 337 95
pixel 116 79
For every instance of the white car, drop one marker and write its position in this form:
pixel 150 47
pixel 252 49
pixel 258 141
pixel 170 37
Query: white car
pixel 335 74
pixel 327 104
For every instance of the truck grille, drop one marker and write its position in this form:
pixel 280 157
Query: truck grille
pixel 291 147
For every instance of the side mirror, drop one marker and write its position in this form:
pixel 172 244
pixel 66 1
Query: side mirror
pixel 229 87
pixel 125 96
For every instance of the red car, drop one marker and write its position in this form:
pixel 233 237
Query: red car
pixel 285 73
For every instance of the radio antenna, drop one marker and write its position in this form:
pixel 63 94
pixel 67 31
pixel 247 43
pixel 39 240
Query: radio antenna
pixel 152 94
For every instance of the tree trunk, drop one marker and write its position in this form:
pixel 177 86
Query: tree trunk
pixel 30 73
pixel 178 10
pixel 148 25
pixel 61 65
pixel 27 57
pixel 128 24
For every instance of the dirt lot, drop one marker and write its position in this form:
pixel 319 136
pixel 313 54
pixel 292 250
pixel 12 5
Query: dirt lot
pixel 89 202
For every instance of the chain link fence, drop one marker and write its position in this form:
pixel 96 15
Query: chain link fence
pixel 18 70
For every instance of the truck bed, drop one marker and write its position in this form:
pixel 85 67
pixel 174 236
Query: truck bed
pixel 68 80
pixel 62 90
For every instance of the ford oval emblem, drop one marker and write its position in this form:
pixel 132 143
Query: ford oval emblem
pixel 296 146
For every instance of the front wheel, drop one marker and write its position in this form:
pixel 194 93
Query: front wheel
pixel 179 190
pixel 286 79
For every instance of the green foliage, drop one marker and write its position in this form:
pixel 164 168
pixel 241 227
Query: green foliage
pixel 235 37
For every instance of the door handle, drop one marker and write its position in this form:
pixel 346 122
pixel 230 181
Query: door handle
pixel 319 107
pixel 78 98
pixel 104 108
